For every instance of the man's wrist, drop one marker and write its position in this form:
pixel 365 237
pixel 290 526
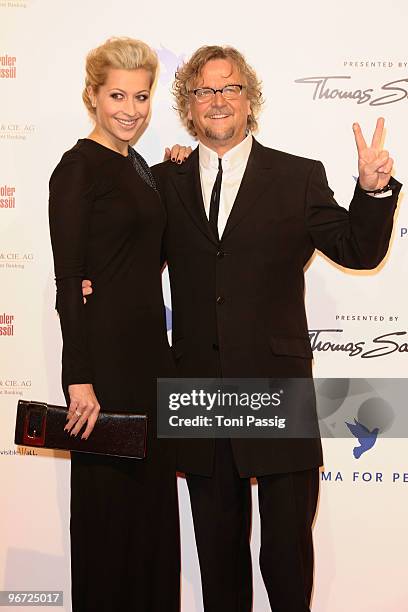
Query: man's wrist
pixel 382 192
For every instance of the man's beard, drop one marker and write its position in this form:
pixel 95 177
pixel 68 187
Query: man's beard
pixel 220 136
pixel 215 135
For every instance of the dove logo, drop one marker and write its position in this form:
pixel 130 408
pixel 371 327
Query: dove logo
pixel 364 436
pixel 169 62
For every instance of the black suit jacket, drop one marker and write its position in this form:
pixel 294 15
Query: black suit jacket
pixel 238 304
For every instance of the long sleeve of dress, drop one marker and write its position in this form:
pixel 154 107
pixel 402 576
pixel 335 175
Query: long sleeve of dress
pixel 70 204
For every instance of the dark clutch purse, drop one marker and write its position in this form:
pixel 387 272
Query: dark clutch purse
pixel 119 434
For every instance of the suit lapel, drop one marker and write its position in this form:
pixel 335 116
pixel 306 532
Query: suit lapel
pixel 188 185
pixel 257 178
pixel 254 183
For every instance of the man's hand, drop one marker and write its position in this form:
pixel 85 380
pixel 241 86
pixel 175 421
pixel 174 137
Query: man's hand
pixel 86 289
pixel 177 153
pixel 374 164
pixel 83 408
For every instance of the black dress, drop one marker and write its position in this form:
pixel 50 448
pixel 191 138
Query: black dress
pixel 106 224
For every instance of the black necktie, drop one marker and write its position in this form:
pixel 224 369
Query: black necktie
pixel 215 200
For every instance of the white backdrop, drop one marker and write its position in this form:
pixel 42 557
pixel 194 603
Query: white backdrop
pixel 361 530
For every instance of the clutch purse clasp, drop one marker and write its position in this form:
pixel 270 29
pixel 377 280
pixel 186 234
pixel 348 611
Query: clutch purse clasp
pixel 35 424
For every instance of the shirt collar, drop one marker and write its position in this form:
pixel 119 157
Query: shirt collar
pixel 234 158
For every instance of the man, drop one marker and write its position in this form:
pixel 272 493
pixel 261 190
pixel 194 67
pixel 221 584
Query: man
pixel 243 221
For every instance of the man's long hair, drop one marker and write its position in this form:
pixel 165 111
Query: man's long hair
pixel 188 73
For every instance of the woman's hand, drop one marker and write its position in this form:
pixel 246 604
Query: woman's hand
pixel 83 407
pixel 86 289
pixel 177 153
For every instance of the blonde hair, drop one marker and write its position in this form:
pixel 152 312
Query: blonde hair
pixel 123 53
pixel 187 74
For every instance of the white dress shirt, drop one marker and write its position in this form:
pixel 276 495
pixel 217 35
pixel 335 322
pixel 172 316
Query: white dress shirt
pixel 233 163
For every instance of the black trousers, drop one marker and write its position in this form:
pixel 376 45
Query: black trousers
pixel 221 507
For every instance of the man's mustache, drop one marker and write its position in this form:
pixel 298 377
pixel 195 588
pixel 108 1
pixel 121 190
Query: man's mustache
pixel 218 110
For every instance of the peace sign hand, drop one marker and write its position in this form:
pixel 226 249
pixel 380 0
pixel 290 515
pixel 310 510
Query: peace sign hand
pixel 374 164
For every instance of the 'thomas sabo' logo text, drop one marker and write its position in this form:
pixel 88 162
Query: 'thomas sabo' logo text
pixel 339 88
pixel 382 345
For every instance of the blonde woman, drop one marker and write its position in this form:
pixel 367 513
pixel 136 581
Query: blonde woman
pixel 107 222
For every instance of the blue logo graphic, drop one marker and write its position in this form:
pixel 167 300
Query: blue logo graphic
pixel 365 437
pixel 342 400
pixel 168 319
pixel 169 64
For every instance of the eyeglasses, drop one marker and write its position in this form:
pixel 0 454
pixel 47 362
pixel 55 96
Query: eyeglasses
pixel 229 92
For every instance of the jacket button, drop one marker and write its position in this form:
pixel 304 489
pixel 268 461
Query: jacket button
pixel 220 254
pixel 220 300
pixel 216 347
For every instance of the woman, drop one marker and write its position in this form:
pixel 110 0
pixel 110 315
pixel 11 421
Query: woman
pixel 106 223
